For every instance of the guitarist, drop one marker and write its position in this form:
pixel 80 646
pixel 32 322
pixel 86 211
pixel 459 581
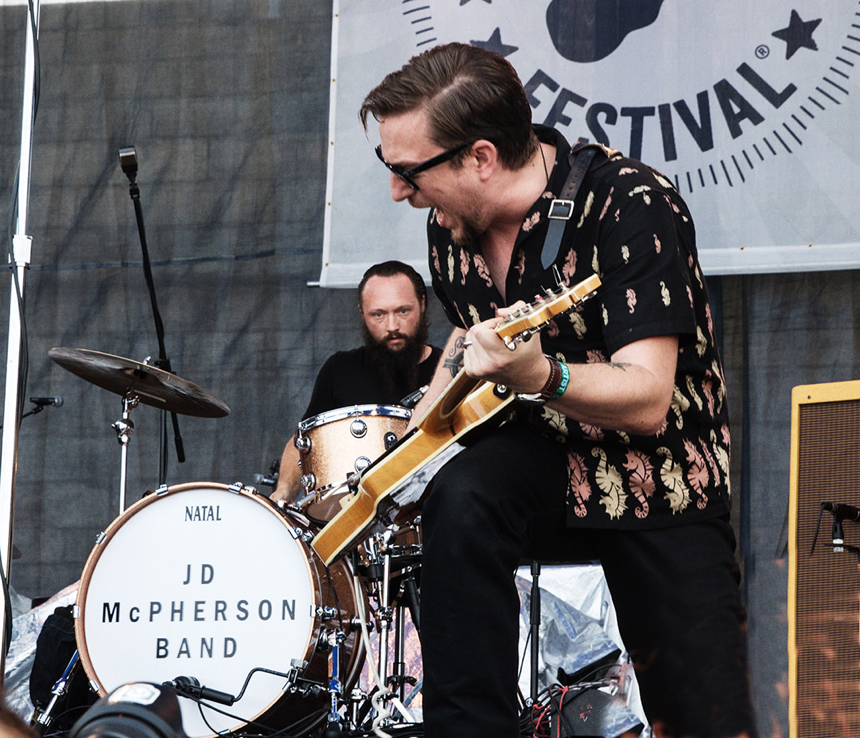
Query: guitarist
pixel 394 361
pixel 620 449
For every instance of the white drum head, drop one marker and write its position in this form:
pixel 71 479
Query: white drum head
pixel 201 582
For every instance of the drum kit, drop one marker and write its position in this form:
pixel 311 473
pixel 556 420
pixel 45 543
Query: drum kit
pixel 214 590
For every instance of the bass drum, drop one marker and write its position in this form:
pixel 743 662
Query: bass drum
pixel 210 581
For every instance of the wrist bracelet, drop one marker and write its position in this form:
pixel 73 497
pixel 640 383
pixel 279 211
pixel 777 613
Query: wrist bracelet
pixel 556 384
pixel 565 379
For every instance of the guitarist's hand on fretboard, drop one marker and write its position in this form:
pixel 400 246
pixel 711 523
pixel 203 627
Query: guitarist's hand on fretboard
pixel 524 370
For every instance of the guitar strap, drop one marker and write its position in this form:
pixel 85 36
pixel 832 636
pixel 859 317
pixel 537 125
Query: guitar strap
pixel 561 208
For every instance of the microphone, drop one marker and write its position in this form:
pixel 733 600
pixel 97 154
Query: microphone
pixel 46 401
pixel 842 512
pixel 128 162
pixel 191 687
pixel 413 398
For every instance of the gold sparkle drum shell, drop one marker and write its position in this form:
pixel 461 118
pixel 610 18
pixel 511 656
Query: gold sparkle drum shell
pixel 335 445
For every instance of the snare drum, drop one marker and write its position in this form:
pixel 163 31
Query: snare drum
pixel 211 581
pixel 335 445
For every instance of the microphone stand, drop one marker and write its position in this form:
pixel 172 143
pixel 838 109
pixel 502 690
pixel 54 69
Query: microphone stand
pixel 128 162
pixel 19 262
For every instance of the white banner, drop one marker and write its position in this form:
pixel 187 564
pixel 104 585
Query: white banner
pixel 751 108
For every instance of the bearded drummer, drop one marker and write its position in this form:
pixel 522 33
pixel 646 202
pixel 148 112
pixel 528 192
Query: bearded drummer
pixel 394 362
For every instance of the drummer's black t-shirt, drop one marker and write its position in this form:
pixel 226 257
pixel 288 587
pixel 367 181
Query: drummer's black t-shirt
pixel 351 378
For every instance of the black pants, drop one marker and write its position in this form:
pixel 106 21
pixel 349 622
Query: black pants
pixel 675 593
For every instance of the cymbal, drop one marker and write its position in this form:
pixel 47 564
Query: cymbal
pixel 151 385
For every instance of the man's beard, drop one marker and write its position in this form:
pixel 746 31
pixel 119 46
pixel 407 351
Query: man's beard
pixel 467 234
pixel 398 369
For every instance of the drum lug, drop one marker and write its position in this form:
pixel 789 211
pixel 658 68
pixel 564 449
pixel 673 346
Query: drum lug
pixel 324 613
pixel 298 533
pixel 101 538
pixel 236 487
pixel 361 463
pixel 358 428
pixel 162 490
pixel 303 444
pixel 309 481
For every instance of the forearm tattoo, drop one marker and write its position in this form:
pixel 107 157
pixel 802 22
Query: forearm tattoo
pixel 453 362
pixel 620 365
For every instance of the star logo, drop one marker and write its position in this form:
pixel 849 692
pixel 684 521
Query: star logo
pixel 494 43
pixel 798 35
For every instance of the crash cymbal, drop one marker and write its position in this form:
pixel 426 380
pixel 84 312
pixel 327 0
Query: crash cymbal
pixel 151 385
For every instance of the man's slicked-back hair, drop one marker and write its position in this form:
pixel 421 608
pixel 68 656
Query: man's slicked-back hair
pixel 392 269
pixel 468 93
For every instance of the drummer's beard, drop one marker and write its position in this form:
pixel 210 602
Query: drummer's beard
pixel 398 367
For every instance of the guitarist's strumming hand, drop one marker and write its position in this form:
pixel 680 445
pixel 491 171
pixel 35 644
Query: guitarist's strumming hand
pixel 524 370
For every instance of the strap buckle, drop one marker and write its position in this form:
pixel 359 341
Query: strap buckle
pixel 560 209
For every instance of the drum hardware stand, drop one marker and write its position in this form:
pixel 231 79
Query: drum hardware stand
pixel 399 679
pixel 379 574
pixel 534 612
pixel 356 698
pixel 335 689
pixel 379 547
pixel 42 719
pixel 124 428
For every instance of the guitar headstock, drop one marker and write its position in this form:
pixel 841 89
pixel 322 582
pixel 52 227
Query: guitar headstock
pixel 533 317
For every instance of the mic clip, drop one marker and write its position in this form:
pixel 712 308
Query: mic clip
pixel 190 687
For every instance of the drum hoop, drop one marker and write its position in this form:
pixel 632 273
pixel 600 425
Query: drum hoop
pixel 116 524
pixel 394 411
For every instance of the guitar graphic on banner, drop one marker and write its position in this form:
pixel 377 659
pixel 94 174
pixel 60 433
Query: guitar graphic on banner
pixel 393 486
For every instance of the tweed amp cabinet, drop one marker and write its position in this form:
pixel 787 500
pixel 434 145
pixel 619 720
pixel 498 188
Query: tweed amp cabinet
pixel 824 584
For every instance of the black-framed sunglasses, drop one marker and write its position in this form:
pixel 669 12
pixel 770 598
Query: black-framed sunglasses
pixel 407 174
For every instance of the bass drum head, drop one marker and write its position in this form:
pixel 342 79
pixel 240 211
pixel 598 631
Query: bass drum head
pixel 209 581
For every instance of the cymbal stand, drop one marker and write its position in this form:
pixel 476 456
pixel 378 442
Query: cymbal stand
pixel 124 429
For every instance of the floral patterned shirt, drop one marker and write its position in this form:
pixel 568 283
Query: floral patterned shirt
pixel 631 227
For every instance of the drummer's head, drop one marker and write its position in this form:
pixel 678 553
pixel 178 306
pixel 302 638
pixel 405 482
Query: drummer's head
pixel 392 300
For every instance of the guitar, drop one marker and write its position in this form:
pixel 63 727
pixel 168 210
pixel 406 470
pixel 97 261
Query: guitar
pixel 394 485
